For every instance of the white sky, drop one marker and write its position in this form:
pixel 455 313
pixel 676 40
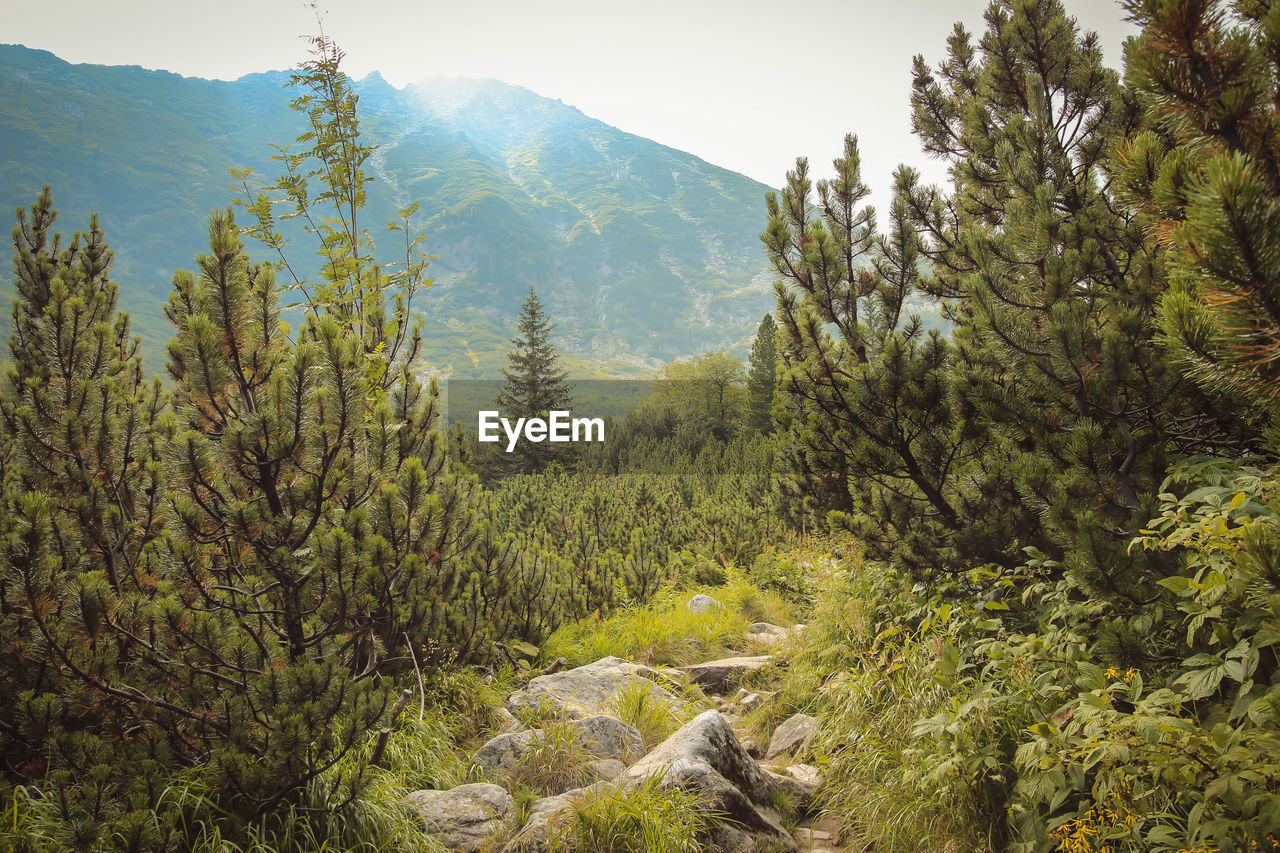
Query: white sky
pixel 747 85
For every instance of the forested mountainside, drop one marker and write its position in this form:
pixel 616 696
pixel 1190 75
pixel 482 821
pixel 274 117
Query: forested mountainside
pixel 641 252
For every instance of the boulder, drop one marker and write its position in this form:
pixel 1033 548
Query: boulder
pixel 792 737
pixel 767 634
pixel 805 774
pixel 721 674
pixel 601 736
pixel 608 769
pixel 505 721
pixel 584 691
pixel 464 818
pixel 609 738
pixel 801 781
pixel 705 755
pixel 501 753
pixel 702 603
pixel 537 833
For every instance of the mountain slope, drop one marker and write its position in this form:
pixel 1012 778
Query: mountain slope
pixel 639 251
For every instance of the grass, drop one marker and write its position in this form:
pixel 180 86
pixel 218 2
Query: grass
pixel 665 633
pixel 647 819
pixel 556 761
pixel 652 716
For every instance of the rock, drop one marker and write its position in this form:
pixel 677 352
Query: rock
pixel 501 753
pixel 608 769
pixel 768 635
pixel 585 691
pixel 506 721
pixel 536 834
pixel 801 795
pixel 702 603
pixel 751 701
pixel 751 746
pixel 809 838
pixel 792 737
pixel 805 774
pixel 801 781
pixel 705 754
pixel 464 818
pixel 609 738
pixel 720 674
pixel 601 736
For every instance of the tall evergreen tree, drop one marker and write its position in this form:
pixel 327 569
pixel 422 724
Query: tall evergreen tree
pixel 762 376
pixel 534 384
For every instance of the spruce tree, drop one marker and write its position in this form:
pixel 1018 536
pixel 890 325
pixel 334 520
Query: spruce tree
pixel 762 377
pixel 534 385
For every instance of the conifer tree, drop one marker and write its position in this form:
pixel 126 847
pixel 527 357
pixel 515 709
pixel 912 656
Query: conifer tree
pixel 1054 283
pixel 1206 174
pixel 81 581
pixel 876 431
pixel 534 384
pixel 762 376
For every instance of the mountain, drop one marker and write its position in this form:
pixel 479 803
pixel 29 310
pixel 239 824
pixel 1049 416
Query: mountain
pixel 640 252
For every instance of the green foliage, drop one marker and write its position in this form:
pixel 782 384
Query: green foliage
pixel 653 717
pixel 763 376
pixel 556 761
pixel 1205 173
pixel 646 819
pixel 535 386
pixel 706 394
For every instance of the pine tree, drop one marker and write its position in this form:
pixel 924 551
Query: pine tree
pixel 535 385
pixel 81 579
pixel 875 428
pixel 1054 284
pixel 762 377
pixel 1206 176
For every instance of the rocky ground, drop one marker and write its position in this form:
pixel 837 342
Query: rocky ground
pixel 763 795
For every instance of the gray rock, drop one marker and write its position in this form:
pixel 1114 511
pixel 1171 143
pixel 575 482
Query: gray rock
pixel 705 755
pixel 502 752
pixel 805 774
pixel 702 603
pixel 801 794
pixel 751 701
pixel 720 674
pixel 601 736
pixel 585 691
pixel 792 737
pixel 539 830
pixel 506 721
pixel 607 737
pixel 463 818
pixel 810 838
pixel 608 769
pixel 766 634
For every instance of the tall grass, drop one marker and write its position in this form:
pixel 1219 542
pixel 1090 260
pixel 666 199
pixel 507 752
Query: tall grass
pixel 665 632
pixel 647 819
pixel 653 716
pixel 557 760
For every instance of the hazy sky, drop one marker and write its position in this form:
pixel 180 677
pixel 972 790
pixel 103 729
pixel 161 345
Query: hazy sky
pixel 747 85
